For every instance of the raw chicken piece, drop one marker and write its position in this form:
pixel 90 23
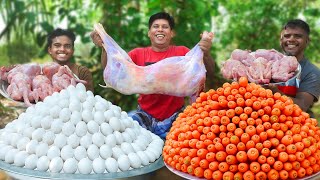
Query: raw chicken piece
pixel 49 69
pixel 42 87
pixel 243 56
pixel 178 76
pixel 233 69
pixel 260 71
pixel 31 70
pixel 63 78
pixel 20 88
pixel 4 72
pixel 284 69
pixel 270 55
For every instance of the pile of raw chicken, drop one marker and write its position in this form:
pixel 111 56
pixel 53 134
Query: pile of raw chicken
pixel 33 82
pixel 261 66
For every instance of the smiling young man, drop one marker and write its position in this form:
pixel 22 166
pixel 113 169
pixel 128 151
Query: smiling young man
pixel 294 39
pixel 61 49
pixel 156 112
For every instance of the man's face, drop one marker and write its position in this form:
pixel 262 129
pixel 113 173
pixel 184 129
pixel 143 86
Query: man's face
pixel 61 49
pixel 160 33
pixel 293 41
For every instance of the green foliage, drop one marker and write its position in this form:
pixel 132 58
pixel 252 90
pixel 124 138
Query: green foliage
pixel 242 24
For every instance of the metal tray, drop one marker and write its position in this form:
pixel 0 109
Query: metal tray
pixel 28 174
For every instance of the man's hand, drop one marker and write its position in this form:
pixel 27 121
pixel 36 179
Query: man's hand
pixel 96 39
pixel 206 42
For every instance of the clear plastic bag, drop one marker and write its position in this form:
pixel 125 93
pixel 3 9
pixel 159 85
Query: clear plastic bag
pixel 178 76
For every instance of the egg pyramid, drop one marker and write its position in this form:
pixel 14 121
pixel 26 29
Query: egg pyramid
pixel 74 131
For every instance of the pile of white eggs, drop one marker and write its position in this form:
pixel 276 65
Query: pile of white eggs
pixel 76 132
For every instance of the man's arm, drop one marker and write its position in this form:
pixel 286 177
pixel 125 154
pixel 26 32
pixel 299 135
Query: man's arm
pixel 104 58
pixel 303 99
pixel 96 39
pixel 205 45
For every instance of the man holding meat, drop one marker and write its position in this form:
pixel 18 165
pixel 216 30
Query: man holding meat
pixel 294 39
pixel 156 112
pixel 61 49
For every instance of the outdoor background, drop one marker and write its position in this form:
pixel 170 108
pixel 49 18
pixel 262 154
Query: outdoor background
pixel 246 24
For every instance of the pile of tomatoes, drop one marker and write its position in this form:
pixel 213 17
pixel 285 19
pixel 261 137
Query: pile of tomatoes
pixel 243 131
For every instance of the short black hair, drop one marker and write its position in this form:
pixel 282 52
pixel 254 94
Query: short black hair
pixel 297 23
pixel 60 32
pixel 162 15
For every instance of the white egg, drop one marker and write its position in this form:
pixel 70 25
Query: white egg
pixel 73 140
pixel 22 143
pixel 115 123
pixel 48 137
pixel 80 87
pixel 38 134
pixel 91 100
pixel 136 147
pixel 99 117
pixel 65 114
pixel 75 105
pixel 46 122
pixel 64 93
pixel 144 158
pixel 98 139
pixel 70 166
pixel 28 132
pixel 99 165
pixel 82 95
pixel 56 126
pixel 87 115
pixel 106 129
pixel 93 152
pixel 118 136
pixel 3 151
pixel 43 163
pixel 32 146
pixel 42 149
pixel 100 106
pixel 155 150
pixel 60 140
pixel 85 166
pixel 93 127
pixel 143 140
pixel 111 140
pixel 20 158
pixel 9 157
pixel 7 138
pixel 56 165
pixel 127 148
pixel 98 97
pixel 117 152
pixel 90 94
pixel 81 128
pixel 71 89
pixel 67 152
pixel 53 152
pixel 140 144
pixel 64 103
pixel 30 110
pixel 117 113
pixel 68 128
pixel 105 151
pixel 108 115
pixel 75 117
pixel 31 161
pixel 36 122
pixel 49 101
pixel 123 163
pixel 152 157
pixel 135 161
pixel 86 141
pixel 131 133
pixel 111 165
pixel 127 122
pixel 80 153
pixel 55 111
pixel 20 127
pixel 147 134
pixel 126 137
pixel 87 105
pixel 124 115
